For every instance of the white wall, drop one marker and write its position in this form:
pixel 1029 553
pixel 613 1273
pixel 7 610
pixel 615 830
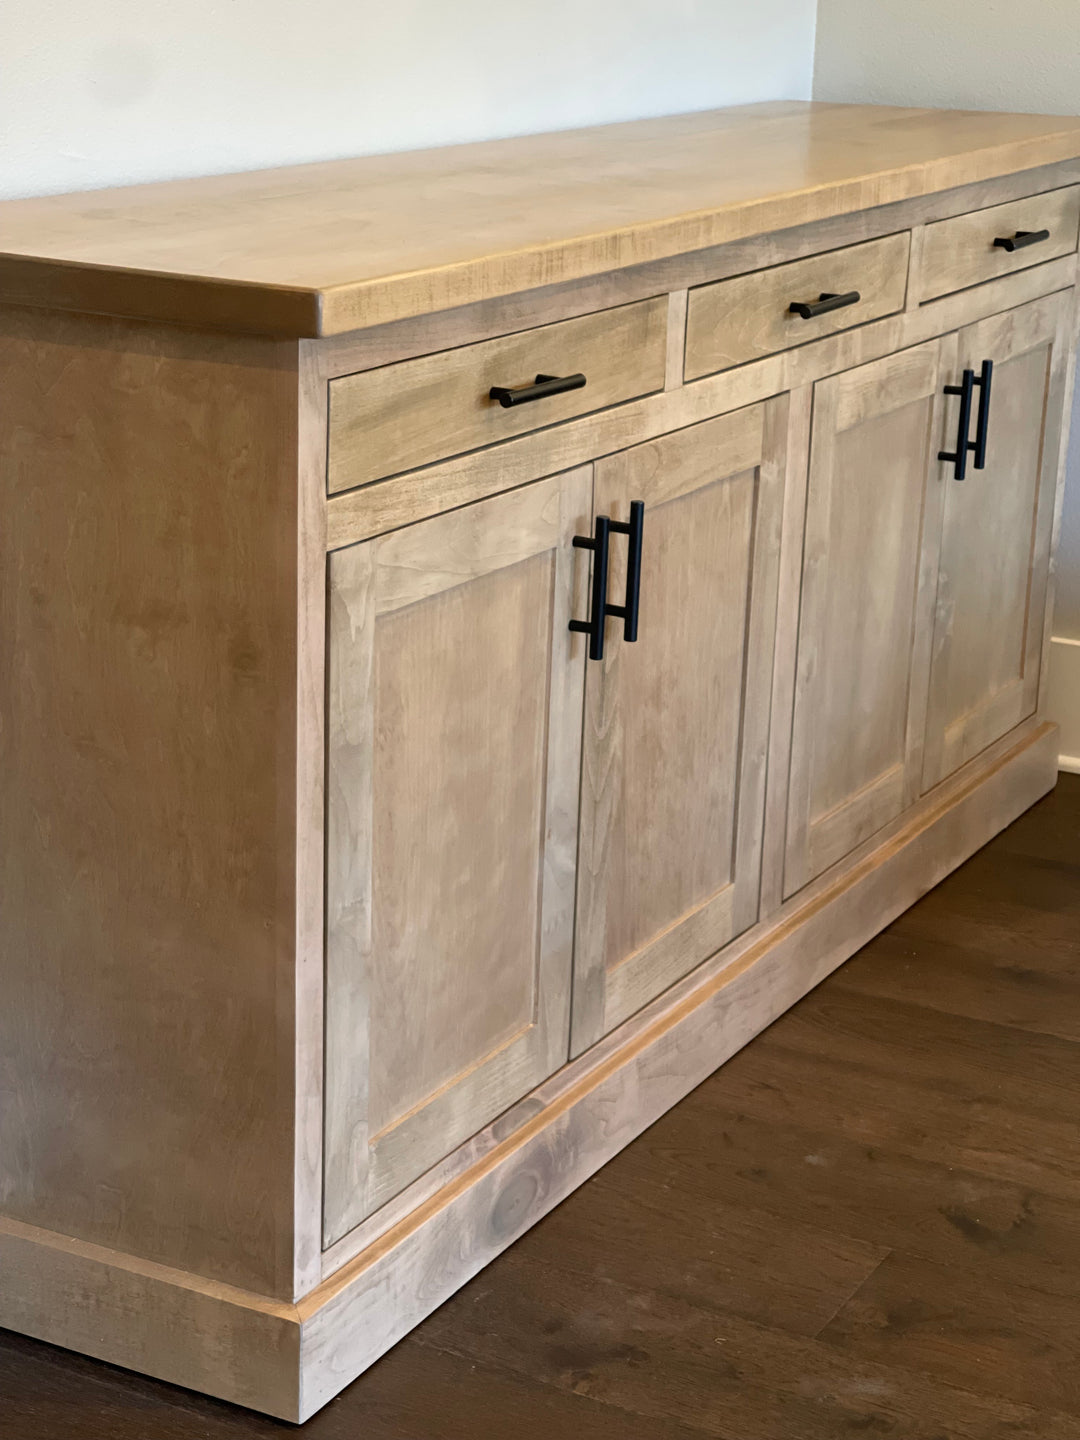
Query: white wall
pixel 965 54
pixel 979 55
pixel 132 90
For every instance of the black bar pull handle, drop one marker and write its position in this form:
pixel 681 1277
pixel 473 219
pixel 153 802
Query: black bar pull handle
pixel 629 611
pixel 543 385
pixel 598 607
pixel 1021 240
pixel 809 309
pixel 982 423
pixel 963 424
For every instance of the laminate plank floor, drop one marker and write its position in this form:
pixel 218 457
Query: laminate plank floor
pixel 866 1223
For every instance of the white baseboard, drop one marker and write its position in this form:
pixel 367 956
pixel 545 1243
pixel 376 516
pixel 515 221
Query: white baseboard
pixel 1063 699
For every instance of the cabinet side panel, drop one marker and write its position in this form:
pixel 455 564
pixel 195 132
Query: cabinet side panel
pixel 147 768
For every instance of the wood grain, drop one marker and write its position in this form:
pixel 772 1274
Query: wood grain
pixel 332 247
pixel 865 613
pixel 455 696
pixel 631 1079
pixel 921 1316
pixel 785 650
pixel 960 252
pixel 673 769
pixel 206 1335
pixel 400 416
pixel 635 1075
pixel 749 317
pixel 373 509
pixel 671 1296
pixel 995 540
pixel 309 997
pixel 396 340
pixel 662 1357
pixel 707 1254
pixel 148 734
pixel 169 655
pixel 940 1110
pixel 801 1176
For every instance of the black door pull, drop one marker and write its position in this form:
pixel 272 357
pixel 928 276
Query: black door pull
pixel 629 611
pixel 1021 240
pixel 594 626
pixel 599 543
pixel 982 423
pixel 543 385
pixel 963 424
pixel 809 309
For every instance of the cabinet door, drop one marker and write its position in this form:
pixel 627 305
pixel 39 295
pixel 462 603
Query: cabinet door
pixel 865 613
pixel 454 746
pixel 997 527
pixel 676 724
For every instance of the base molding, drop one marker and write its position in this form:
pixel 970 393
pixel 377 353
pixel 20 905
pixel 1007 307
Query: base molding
pixel 289 1360
pixel 147 1317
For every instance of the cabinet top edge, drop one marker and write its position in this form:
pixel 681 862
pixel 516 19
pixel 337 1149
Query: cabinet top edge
pixel 321 249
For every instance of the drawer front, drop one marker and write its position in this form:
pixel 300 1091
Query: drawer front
pixel 398 417
pixel 961 252
pixel 733 321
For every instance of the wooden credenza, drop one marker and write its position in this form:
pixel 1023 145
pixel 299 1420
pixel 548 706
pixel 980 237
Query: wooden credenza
pixel 421 766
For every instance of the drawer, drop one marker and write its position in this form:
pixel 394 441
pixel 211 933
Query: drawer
pixel 418 411
pixel 961 252
pixel 733 321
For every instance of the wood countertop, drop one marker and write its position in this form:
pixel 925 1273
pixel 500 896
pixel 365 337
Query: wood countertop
pixel 320 249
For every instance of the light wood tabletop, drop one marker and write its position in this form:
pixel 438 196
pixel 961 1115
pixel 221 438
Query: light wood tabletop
pixel 325 248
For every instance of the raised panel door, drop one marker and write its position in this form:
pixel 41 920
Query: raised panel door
pixel 454 723
pixel 996 533
pixel 676 724
pixel 869 564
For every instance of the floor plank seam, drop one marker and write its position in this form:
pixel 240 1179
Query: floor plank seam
pixel 850 1296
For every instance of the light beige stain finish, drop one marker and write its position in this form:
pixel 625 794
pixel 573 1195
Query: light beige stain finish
pixel 398 417
pixel 961 252
pixel 326 248
pixel 750 316
pixel 719 819
pixel 864 623
pixel 454 749
pixel 995 545
pixel 676 723
pixel 148 660
pixel 358 514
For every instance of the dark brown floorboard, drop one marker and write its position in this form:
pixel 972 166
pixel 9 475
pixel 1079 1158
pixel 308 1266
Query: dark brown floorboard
pixel 866 1224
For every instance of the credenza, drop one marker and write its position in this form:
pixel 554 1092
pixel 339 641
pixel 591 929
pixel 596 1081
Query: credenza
pixel 483 632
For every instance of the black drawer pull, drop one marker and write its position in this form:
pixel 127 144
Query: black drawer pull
pixel 963 424
pixel 982 424
pixel 1021 240
pixel 809 309
pixel 543 385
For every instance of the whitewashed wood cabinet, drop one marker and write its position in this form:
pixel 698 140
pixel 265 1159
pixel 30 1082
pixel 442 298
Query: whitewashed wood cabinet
pixel 481 634
pixel 673 777
pixel 860 696
pixel 454 728
pixel 995 537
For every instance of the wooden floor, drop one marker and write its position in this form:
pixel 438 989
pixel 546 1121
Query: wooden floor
pixel 866 1224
